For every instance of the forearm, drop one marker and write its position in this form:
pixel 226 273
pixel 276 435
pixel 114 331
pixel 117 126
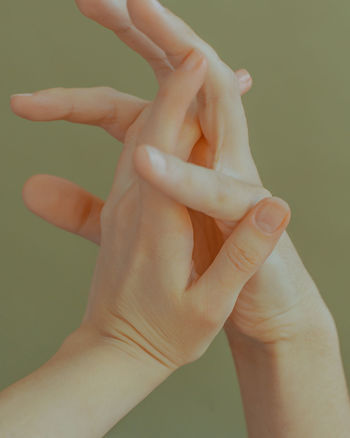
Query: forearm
pixel 293 389
pixel 83 391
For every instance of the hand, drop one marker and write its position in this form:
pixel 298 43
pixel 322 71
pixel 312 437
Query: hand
pixel 281 301
pixel 282 287
pixel 57 200
pixel 145 315
pixel 60 201
pixel 143 296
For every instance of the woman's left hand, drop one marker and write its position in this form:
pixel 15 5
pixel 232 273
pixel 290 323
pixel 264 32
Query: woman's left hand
pixel 143 297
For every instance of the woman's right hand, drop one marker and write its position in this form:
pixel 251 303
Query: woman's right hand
pixel 281 302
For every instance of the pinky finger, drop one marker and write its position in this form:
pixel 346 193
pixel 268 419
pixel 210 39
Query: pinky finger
pixel 64 205
pixel 245 81
pixel 208 191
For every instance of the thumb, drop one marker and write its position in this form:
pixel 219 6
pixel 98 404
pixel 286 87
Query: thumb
pixel 243 253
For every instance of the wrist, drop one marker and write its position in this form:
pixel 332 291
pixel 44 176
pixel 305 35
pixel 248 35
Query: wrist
pixel 280 382
pixel 88 338
pixel 89 382
pixel 310 331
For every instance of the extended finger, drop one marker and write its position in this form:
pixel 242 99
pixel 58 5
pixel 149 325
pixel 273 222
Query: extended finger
pixel 113 14
pixel 166 30
pixel 65 205
pixel 101 106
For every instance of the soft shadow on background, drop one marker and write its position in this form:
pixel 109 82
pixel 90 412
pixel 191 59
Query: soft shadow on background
pixel 298 114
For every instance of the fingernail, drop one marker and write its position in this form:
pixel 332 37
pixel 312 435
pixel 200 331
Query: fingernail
pixel 271 215
pixel 22 94
pixel 157 160
pixel 192 61
pixel 157 5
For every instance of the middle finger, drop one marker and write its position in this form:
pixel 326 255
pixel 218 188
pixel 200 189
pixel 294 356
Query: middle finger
pixel 113 14
pixel 221 111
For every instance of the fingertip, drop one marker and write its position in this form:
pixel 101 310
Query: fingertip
pixel 244 76
pixel 38 106
pixel 22 104
pixel 288 210
pixel 281 202
pixel 15 102
pixel 31 189
pixel 245 80
pixel 272 215
pixel 149 160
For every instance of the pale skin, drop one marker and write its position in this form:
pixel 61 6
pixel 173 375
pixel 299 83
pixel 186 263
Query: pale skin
pixel 281 334
pixel 146 315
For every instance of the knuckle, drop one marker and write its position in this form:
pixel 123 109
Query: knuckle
pixel 188 180
pixel 223 194
pixel 220 196
pixel 124 29
pixel 119 211
pixel 241 259
pixel 164 91
pixel 70 113
pixel 159 63
pixel 207 99
pixel 205 316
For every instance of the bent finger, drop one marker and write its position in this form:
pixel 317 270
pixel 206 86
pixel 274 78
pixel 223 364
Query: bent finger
pixel 243 253
pixel 208 191
pixel 221 112
pixel 65 205
pixel 163 130
pixel 173 100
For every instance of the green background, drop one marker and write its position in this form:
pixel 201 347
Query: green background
pixel 298 113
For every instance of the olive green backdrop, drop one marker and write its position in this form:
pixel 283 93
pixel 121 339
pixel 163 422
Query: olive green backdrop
pixel 298 112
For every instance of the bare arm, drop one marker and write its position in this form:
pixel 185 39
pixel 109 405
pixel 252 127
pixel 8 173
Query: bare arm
pixel 82 391
pixel 295 388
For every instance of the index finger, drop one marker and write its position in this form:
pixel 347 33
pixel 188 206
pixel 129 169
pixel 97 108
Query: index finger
pixel 167 30
pixel 113 15
pixel 221 111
